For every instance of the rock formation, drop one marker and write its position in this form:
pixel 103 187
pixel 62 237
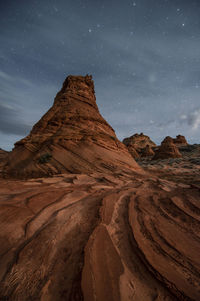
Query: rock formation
pixel 71 137
pixel 133 151
pixel 100 231
pixel 99 237
pixel 139 141
pixel 147 151
pixel 180 141
pixel 167 150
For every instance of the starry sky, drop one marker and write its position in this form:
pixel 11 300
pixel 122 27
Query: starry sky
pixel 144 56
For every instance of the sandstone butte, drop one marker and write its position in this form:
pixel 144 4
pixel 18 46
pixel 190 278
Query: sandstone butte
pixel 71 137
pixel 167 149
pixel 101 229
pixel 139 141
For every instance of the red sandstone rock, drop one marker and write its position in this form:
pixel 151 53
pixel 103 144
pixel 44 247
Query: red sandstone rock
pixel 167 150
pixel 147 151
pixel 71 137
pixel 116 236
pixel 99 237
pixel 139 141
pixel 180 141
pixel 133 152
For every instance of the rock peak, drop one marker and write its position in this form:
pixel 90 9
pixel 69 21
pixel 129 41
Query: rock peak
pixel 75 81
pixel 71 137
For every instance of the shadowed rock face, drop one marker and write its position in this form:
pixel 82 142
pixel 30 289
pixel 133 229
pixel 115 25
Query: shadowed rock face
pixel 167 150
pixel 71 137
pixel 133 151
pixel 3 154
pixel 147 151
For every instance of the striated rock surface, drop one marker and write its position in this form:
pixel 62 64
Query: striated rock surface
pixel 147 151
pixel 133 151
pixel 180 141
pixel 99 237
pixel 139 141
pixel 71 137
pixel 167 150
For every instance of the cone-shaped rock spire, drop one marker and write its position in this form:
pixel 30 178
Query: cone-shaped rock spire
pixel 71 137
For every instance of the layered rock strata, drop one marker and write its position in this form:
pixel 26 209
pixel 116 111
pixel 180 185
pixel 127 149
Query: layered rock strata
pixel 71 137
pixel 139 141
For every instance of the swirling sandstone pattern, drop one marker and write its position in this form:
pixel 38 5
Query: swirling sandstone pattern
pixel 99 237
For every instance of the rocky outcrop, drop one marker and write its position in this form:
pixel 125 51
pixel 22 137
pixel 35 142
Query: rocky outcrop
pixel 139 141
pixel 180 141
pixel 147 151
pixel 71 137
pixel 167 150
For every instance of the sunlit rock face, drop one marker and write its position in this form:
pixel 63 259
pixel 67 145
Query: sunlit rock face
pixel 71 137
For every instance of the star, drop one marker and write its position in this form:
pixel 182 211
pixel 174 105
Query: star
pixel 178 9
pixel 183 24
pixel 90 30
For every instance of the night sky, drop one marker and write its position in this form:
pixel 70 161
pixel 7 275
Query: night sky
pixel 144 56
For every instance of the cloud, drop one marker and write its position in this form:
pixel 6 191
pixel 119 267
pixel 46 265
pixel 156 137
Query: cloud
pixel 10 122
pixel 194 119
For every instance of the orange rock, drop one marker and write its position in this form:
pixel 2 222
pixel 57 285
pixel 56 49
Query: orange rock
pixel 180 141
pixel 167 150
pixel 139 141
pixel 133 152
pixel 71 137
pixel 147 151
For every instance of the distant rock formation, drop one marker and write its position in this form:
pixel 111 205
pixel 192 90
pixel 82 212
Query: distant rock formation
pixel 180 141
pixel 139 141
pixel 71 137
pixel 167 150
pixel 147 151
